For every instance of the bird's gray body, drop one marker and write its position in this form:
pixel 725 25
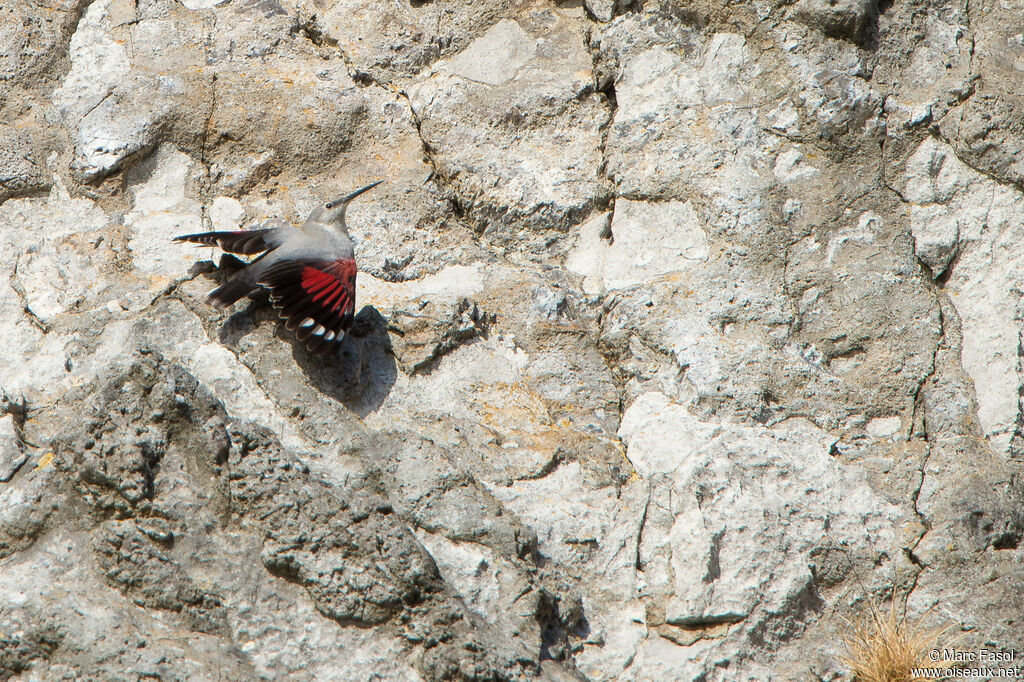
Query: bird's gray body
pixel 312 239
pixel 310 270
pixel 323 236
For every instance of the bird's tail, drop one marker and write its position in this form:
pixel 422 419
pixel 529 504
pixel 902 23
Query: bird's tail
pixel 232 290
pixel 246 242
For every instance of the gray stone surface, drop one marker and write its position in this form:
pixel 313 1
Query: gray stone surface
pixel 20 169
pixel 847 19
pixel 684 332
pixel 492 116
pixel 12 452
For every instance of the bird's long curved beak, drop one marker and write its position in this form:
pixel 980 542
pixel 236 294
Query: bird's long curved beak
pixel 349 197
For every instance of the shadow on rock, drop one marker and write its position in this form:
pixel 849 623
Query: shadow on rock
pixel 362 373
pixel 242 322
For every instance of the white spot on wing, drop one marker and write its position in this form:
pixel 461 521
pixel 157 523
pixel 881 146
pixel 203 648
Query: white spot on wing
pixel 320 329
pixel 308 322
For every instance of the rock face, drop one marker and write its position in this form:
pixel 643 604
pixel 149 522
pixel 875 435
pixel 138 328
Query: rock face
pixel 686 331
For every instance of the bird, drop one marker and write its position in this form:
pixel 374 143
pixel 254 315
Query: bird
pixel 310 271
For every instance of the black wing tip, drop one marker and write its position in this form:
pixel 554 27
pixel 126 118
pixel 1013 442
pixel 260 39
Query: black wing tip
pixel 295 306
pixel 316 342
pixel 318 346
pixel 201 238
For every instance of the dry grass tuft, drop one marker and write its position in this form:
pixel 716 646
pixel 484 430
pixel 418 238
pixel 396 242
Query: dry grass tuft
pixel 884 648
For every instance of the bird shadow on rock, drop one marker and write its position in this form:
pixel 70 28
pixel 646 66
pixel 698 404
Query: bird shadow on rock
pixel 361 373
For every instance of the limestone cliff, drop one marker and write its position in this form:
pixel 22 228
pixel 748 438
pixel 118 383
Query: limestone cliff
pixel 686 331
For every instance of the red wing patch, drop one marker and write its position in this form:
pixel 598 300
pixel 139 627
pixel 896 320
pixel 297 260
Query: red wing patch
pixel 317 299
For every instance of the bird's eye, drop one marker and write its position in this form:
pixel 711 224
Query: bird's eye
pixel 329 205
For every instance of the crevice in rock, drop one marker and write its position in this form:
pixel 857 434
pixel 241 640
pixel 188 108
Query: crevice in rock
pixel 593 337
pixel 171 290
pixel 962 97
pixel 560 618
pixel 428 332
pixel 94 107
pixel 206 185
pixel 714 568
pixel 947 274
pixel 460 204
pixel 1008 540
pixel 868 36
pixel 892 188
pixel 637 564
pixel 782 134
pixel 960 105
pixel 1002 182
pixel 919 407
pixel 913 558
pixel 549 467
pixel 18 409
pixel 920 569
pixel 1017 438
pixel 34 319
pixel 314 32
pixel 36 192
pixel 589 13
pixel 437 175
pixel 970 53
pixel 77 13
pixel 605 88
pixel 363 78
pixel 310 29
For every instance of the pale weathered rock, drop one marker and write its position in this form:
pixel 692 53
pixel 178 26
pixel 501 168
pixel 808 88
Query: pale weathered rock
pixel 424 333
pixel 162 209
pixel 505 104
pixel 12 452
pixel 717 569
pixel 958 212
pixel 60 261
pixel 402 39
pixel 654 144
pixel 641 244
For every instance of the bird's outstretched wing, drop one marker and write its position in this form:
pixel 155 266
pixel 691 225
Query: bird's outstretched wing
pixel 317 299
pixel 245 242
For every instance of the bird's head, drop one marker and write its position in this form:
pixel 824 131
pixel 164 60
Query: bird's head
pixel 333 211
